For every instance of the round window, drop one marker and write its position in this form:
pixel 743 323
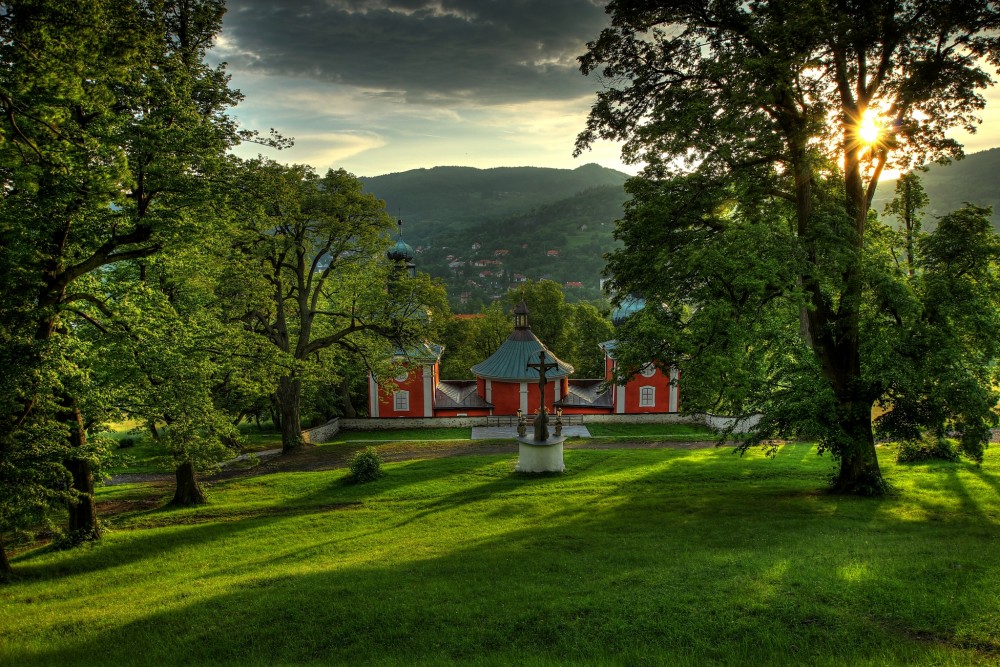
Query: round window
pixel 648 371
pixel 402 377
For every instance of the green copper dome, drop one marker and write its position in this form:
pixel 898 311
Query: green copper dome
pixel 400 252
pixel 510 361
pixel 629 306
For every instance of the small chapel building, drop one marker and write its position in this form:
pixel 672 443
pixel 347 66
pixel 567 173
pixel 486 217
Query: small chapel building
pixel 505 383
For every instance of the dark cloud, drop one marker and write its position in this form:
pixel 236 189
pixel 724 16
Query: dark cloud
pixel 425 51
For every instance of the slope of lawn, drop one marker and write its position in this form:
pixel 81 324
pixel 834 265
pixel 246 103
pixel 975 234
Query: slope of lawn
pixel 630 557
pixel 404 434
pixel 144 455
pixel 691 432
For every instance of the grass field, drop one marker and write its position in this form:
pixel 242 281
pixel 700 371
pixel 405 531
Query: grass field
pixel 145 456
pixel 631 557
pixel 404 434
pixel 692 432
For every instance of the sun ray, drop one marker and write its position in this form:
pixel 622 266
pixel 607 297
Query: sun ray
pixel 869 129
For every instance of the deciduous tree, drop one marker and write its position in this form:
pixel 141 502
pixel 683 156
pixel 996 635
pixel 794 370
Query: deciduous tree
pixel 314 275
pixel 111 125
pixel 770 105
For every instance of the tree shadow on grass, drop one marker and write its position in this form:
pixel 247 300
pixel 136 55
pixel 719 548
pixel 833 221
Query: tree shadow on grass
pixel 660 568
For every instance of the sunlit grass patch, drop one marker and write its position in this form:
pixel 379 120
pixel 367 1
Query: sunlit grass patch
pixel 629 557
pixel 693 432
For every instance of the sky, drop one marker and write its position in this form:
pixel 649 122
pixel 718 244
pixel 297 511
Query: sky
pixel 382 86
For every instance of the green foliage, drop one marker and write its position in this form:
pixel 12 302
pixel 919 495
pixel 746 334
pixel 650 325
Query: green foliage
pixel 751 222
pixel 928 448
pixel 936 357
pixel 588 328
pixel 365 466
pixel 309 276
pixel 467 341
pixel 548 314
pixel 112 130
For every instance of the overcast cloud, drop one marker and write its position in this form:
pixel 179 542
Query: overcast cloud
pixel 437 52
pixel 387 85
pixel 377 86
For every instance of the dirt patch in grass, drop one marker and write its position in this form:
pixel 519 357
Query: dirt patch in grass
pixel 112 507
pixel 313 458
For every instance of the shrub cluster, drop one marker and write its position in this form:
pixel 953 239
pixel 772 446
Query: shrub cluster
pixel 928 448
pixel 365 466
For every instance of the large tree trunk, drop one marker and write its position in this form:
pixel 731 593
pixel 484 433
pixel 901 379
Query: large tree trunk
pixel 188 490
pixel 345 392
pixel 289 403
pixel 5 568
pixel 859 470
pixel 82 512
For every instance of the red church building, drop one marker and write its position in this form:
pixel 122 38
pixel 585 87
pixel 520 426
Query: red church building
pixel 505 383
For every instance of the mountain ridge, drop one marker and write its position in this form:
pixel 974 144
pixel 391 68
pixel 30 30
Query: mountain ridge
pixel 484 230
pixel 974 179
pixel 437 200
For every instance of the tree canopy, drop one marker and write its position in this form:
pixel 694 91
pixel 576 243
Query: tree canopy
pixel 751 221
pixel 112 124
pixel 309 275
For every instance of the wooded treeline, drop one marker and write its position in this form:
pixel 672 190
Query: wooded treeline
pixel 149 275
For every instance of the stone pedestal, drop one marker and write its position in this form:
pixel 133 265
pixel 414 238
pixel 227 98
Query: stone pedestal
pixel 544 456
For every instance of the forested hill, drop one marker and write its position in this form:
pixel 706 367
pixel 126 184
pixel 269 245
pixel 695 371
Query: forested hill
pixel 485 230
pixel 444 199
pixel 975 179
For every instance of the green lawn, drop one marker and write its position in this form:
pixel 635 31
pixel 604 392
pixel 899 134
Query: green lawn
pixel 694 432
pixel 631 557
pixel 404 434
pixel 145 456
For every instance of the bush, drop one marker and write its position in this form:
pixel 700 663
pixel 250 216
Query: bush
pixel 928 448
pixel 366 466
pixel 125 443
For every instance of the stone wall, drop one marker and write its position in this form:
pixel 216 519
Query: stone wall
pixel 715 422
pixel 324 432
pixel 648 418
pixel 721 423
